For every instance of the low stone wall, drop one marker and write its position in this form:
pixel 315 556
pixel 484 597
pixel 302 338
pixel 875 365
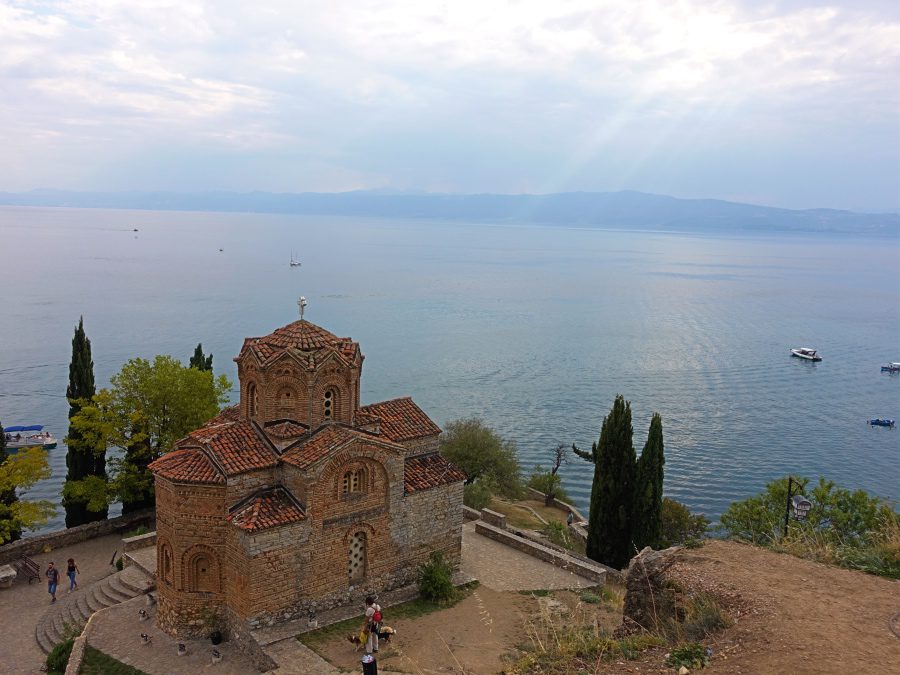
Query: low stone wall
pixel 77 654
pixel 140 541
pixel 493 518
pixel 587 570
pixel 73 535
pixel 470 513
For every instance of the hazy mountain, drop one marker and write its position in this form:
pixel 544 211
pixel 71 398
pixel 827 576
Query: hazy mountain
pixel 627 210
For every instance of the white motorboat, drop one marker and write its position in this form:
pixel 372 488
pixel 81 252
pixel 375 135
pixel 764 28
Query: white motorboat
pixel 806 353
pixel 28 437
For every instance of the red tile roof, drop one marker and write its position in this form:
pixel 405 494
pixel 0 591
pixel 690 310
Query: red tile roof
pixel 428 471
pixel 326 440
pixel 303 336
pixel 282 429
pixel 232 442
pixel 266 509
pixel 187 466
pixel 401 419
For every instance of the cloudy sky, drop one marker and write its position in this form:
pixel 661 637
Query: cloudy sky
pixel 790 103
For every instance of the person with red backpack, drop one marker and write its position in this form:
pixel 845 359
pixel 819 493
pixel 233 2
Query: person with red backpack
pixel 372 624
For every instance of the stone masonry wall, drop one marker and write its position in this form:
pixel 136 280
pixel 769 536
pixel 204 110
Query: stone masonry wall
pixel 422 446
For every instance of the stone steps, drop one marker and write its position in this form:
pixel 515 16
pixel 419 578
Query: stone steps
pixel 76 608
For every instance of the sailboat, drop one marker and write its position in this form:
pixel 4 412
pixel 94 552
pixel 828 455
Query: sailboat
pixel 294 261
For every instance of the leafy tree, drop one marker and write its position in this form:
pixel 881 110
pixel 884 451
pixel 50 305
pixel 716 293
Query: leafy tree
pixel 548 482
pixel 482 453
pixel 199 361
pixel 22 470
pixel 678 525
pixel 648 498
pixel 478 495
pixel 82 459
pixel 612 494
pixel 148 407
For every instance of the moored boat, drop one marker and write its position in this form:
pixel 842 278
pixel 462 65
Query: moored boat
pixel 891 368
pixel 807 353
pixel 881 422
pixel 29 436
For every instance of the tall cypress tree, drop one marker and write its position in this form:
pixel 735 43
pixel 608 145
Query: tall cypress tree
pixel 8 498
pixel 612 494
pixel 82 459
pixel 199 361
pixel 649 493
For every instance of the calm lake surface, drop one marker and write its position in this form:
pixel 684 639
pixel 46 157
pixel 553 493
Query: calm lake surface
pixel 534 329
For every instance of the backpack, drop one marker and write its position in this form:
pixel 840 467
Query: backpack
pixel 376 617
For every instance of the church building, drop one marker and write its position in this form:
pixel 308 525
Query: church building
pixel 299 499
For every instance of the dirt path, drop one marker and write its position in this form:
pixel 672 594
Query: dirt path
pixel 807 617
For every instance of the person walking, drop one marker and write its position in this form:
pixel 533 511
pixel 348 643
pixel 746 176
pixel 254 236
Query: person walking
pixel 71 571
pixel 52 580
pixel 370 627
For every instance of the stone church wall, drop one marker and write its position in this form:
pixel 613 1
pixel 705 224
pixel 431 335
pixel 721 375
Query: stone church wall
pixel 422 446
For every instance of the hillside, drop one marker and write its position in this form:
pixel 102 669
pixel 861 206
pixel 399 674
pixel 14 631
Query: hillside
pixel 620 210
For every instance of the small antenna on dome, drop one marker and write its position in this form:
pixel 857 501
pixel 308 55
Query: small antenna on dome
pixel 301 303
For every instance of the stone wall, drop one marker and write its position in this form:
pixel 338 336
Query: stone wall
pixel 74 535
pixel 422 446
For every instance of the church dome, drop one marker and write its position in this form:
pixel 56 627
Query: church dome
pixel 301 336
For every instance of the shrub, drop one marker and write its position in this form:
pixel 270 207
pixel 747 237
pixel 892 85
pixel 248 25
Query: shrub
pixel 120 563
pixel 590 598
pixel 436 579
pixel 703 616
pixel 478 495
pixel 679 525
pixel 482 453
pixel 58 658
pixel 544 480
pixel 559 534
pixel 691 655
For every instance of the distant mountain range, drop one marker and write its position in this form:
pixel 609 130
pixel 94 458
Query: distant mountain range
pixel 625 210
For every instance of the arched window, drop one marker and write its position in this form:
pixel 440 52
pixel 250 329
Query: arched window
pixel 167 563
pixel 356 567
pixel 252 400
pixel 354 481
pixel 329 403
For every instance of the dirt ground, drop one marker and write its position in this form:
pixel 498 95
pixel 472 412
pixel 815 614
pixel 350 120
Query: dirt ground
pixel 790 616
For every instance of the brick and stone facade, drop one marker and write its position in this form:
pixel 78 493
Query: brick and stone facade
pixel 299 499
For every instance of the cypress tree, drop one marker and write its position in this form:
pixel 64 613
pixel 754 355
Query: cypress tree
pixel 648 496
pixel 199 361
pixel 7 498
pixel 612 494
pixel 82 459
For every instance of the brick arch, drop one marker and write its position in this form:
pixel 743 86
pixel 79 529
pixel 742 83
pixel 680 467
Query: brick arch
pixel 165 561
pixel 365 470
pixel 341 385
pixel 200 570
pixel 334 470
pixel 251 398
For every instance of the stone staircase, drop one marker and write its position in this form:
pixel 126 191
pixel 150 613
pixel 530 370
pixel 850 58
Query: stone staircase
pixel 72 610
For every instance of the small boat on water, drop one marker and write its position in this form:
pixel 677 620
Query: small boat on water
pixel 28 437
pixel 294 261
pixel 891 368
pixel 806 353
pixel 881 422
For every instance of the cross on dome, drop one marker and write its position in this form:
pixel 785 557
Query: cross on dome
pixel 301 303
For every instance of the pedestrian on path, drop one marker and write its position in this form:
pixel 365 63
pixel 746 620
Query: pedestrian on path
pixel 371 625
pixel 52 580
pixel 71 571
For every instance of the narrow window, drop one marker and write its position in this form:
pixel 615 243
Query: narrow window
pixel 251 399
pixel 354 481
pixel 329 404
pixel 356 567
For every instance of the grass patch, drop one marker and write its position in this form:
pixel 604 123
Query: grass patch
pixel 692 655
pixel 97 663
pixel 537 593
pixel 590 598
pixel 407 610
pixel 559 534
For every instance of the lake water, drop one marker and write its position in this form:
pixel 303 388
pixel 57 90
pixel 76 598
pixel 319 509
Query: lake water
pixel 534 329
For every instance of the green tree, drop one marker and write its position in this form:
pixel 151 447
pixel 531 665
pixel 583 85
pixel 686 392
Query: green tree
pixel 21 470
pixel 148 407
pixel 648 498
pixel 199 361
pixel 679 525
pixel 82 459
pixel 483 454
pixel 612 493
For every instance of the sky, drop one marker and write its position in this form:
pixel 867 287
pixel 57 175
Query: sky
pixel 793 103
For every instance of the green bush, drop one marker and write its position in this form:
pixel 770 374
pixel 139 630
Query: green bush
pixel 679 525
pixel 544 480
pixel 58 658
pixel 590 598
pixel 478 495
pixel 691 655
pixel 120 563
pixel 436 579
pixel 479 451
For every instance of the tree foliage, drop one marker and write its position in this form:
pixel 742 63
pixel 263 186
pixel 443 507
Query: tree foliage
pixel 483 454
pixel 626 495
pixel 22 470
pixel 82 459
pixel 7 497
pixel 548 482
pixel 199 361
pixel 149 406
pixel 679 526
pixel 648 498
